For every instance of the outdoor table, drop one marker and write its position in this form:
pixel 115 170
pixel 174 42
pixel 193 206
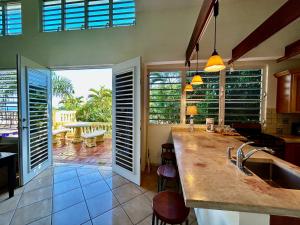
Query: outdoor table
pixel 77 127
pixel 9 160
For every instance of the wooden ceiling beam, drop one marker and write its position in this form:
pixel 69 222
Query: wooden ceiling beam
pixel 286 14
pixel 290 51
pixel 200 26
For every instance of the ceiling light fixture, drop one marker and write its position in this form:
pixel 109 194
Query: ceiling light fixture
pixel 197 79
pixel 188 86
pixel 215 62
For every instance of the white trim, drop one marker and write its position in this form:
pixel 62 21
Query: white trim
pixel 26 173
pixel 133 65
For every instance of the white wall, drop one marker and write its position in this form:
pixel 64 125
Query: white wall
pixel 221 217
pixel 158 35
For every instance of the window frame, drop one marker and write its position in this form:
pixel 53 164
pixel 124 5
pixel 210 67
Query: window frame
pixel 86 21
pixel 3 5
pixel 179 99
pixel 221 121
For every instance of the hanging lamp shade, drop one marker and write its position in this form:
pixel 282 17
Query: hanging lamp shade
pixel 197 80
pixel 215 63
pixel 188 87
pixel 191 110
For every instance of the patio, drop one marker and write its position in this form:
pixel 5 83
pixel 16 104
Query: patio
pixel 78 153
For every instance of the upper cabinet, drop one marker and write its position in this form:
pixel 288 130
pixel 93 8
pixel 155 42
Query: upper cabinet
pixel 288 91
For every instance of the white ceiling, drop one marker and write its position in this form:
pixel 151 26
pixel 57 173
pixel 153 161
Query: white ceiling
pixel 237 19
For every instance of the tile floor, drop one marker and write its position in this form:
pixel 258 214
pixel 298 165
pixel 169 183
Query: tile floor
pixel 72 194
pixel 67 152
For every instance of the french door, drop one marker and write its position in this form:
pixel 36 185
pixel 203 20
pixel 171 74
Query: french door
pixel 126 120
pixel 35 122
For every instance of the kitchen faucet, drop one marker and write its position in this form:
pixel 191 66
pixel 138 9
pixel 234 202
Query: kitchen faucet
pixel 241 158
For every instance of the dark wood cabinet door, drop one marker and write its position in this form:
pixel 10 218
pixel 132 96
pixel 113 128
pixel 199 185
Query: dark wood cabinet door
pixel 296 93
pixel 292 153
pixel 284 220
pixel 283 104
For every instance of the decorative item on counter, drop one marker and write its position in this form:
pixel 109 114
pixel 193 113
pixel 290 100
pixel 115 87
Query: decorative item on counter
pixel 210 125
pixel 191 111
pixel 229 131
pixel 219 129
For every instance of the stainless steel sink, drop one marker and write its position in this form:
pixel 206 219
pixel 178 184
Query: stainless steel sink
pixel 274 175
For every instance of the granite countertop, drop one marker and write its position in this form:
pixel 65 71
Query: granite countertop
pixel 210 180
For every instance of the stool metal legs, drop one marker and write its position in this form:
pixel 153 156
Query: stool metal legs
pixel 155 221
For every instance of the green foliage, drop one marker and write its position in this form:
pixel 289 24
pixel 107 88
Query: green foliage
pixel 61 86
pixel 98 108
pixel 71 103
pixel 165 92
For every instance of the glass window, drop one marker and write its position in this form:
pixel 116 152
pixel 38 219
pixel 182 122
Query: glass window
pixel 87 14
pixel 205 96
pixel 10 18
pixel 164 97
pixel 243 96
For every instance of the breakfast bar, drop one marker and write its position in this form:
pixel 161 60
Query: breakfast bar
pixel 219 191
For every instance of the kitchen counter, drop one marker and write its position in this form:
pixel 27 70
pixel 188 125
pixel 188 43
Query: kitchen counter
pixel 289 138
pixel 209 180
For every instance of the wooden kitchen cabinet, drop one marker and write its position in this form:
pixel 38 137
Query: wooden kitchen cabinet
pixel 288 91
pixel 292 153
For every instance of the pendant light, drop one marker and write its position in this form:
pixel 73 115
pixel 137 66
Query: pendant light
pixel 188 86
pixel 215 62
pixel 197 79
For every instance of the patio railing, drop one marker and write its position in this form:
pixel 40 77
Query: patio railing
pixel 61 118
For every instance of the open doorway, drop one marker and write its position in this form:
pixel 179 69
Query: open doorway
pixel 82 116
pixel 26 121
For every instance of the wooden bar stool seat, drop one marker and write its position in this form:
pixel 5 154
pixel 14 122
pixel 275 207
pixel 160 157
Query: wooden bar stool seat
pixel 167 153
pixel 169 207
pixel 165 173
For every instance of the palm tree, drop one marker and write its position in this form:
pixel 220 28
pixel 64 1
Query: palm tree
pixel 71 103
pixel 103 95
pixel 61 86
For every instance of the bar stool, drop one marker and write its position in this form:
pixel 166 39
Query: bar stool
pixel 165 173
pixel 167 153
pixel 169 207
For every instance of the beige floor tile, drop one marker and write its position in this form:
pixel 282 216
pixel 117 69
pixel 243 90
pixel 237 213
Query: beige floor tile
pixel 150 195
pixel 138 209
pixel 147 221
pixel 5 218
pixel 19 190
pixel 107 173
pixel 35 196
pixel 194 223
pixel 116 181
pixel 33 212
pixel 45 173
pixel 192 217
pixel 126 192
pixel 116 216
pixel 43 221
pixel 101 204
pixel 39 183
pixel 8 204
